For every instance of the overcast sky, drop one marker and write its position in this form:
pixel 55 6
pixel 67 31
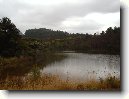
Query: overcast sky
pixel 83 16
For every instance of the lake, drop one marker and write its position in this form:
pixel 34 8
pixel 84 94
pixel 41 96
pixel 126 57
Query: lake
pixel 82 66
pixel 69 66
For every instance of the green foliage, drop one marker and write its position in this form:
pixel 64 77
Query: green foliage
pixel 44 33
pixel 46 40
pixel 10 40
pixel 107 42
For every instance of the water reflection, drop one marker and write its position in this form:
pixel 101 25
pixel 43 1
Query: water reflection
pixel 24 66
pixel 76 66
pixel 82 66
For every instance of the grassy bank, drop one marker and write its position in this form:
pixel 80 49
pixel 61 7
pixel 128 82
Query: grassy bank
pixel 54 82
pixel 22 65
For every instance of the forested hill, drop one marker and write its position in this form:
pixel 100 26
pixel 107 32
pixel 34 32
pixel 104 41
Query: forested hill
pixel 105 42
pixel 47 40
pixel 44 33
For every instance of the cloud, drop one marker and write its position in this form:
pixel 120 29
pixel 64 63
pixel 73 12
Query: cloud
pixel 89 26
pixel 91 23
pixel 54 13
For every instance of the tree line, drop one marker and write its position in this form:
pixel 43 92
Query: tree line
pixel 14 44
pixel 107 42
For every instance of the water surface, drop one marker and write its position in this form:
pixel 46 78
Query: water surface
pixel 82 66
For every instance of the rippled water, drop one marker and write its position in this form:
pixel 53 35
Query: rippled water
pixel 81 66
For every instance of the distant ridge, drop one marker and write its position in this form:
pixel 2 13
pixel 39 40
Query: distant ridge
pixel 43 33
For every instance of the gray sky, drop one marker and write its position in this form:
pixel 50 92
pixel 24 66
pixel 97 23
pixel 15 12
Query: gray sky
pixel 83 16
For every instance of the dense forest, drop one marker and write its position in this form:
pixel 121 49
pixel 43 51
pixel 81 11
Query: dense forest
pixel 44 33
pixel 14 44
pixel 107 42
pixel 10 38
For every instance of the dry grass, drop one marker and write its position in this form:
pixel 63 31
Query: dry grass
pixel 53 82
